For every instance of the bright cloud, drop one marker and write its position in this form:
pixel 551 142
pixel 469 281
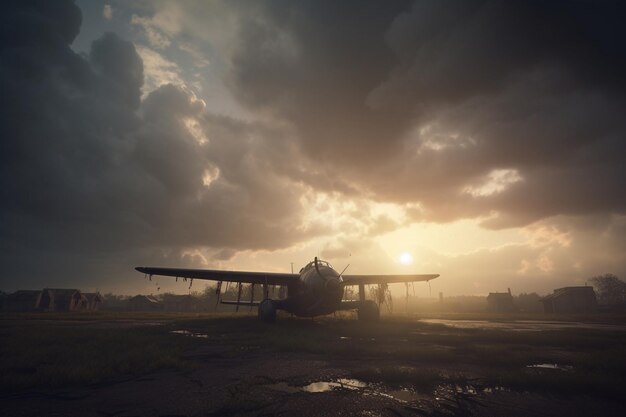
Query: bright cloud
pixel 249 137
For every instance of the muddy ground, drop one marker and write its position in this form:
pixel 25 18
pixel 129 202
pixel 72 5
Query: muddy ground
pixel 399 367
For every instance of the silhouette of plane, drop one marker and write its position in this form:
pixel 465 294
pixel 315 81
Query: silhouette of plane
pixel 317 290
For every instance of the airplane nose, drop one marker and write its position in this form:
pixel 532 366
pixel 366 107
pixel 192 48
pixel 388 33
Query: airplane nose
pixel 332 284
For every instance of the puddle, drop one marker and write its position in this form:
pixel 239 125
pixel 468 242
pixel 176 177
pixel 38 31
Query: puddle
pixel 522 325
pixel 362 339
pixel 342 383
pixel 404 395
pixel 551 366
pixel 444 392
pixel 465 390
pixel 491 390
pixel 191 334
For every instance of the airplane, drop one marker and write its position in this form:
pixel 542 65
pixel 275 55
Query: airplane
pixel 316 291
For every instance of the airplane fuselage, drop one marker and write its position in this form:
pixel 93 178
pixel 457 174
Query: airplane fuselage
pixel 317 292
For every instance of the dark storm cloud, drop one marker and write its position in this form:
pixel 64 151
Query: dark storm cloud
pixel 118 63
pixel 418 102
pixel 314 64
pixel 429 103
pixel 92 176
pixel 451 51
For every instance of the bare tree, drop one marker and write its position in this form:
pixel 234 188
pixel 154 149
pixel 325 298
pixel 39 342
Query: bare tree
pixel 381 294
pixel 610 289
pixel 529 302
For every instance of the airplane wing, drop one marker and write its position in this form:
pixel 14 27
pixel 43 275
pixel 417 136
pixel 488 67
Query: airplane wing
pixel 269 278
pixel 385 279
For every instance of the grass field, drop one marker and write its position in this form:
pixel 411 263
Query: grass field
pixel 35 355
pixel 48 351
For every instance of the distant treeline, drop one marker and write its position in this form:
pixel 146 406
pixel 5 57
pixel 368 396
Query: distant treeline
pixel 207 300
pixel 529 303
pixel 609 289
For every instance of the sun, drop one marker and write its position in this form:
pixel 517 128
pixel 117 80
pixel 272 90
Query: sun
pixel 406 258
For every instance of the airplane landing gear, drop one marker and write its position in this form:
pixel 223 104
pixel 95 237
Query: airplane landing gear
pixel 267 311
pixel 368 311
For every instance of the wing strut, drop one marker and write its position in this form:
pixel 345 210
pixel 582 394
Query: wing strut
pixel 266 292
pixel 218 292
pixel 238 296
pixel 361 292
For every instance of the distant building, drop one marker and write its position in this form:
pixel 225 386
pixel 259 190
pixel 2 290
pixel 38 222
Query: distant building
pixel 3 300
pixel 570 300
pixel 62 299
pixel 173 302
pixel 50 299
pixel 500 302
pixel 23 300
pixel 94 300
pixel 144 303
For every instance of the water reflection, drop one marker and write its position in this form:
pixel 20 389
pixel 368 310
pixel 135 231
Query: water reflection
pixel 442 394
pixel 363 339
pixel 323 386
pixel 191 334
pixel 551 366
pixel 522 325
pixel 404 395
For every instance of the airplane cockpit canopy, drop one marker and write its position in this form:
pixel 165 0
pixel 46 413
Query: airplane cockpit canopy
pixel 312 265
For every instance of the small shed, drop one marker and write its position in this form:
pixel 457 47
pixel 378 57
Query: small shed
pixel 94 300
pixel 3 300
pixel 63 299
pixel 23 300
pixel 144 303
pixel 174 302
pixel 46 300
pixel 500 302
pixel 571 300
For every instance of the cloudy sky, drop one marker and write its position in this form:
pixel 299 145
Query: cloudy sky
pixel 487 140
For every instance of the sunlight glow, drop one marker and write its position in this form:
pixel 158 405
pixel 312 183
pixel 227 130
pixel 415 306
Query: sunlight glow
pixel 406 258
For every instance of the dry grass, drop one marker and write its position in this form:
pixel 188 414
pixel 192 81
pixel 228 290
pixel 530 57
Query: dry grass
pixel 69 349
pixel 36 355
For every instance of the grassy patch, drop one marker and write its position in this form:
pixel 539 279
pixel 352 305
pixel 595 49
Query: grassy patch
pixel 82 316
pixel 78 349
pixel 38 355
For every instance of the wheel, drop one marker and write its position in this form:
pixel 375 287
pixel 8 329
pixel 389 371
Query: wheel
pixel 368 311
pixel 267 311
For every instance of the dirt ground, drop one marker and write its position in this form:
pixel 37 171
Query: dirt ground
pixel 400 367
